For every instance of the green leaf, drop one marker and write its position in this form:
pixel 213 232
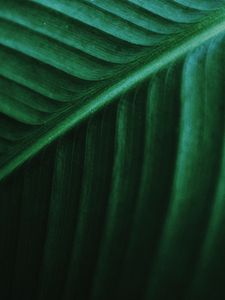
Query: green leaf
pixel 69 64
pixel 127 200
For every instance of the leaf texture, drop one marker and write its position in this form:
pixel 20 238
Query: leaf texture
pixel 67 55
pixel 130 203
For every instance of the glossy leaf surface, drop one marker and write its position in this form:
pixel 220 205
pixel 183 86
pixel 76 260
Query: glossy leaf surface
pixel 115 110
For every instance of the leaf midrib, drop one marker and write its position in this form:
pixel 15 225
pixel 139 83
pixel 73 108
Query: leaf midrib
pixel 210 27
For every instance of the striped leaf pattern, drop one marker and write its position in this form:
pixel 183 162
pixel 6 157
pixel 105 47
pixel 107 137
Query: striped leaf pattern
pixel 123 104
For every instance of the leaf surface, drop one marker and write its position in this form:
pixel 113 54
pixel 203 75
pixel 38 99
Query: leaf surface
pixel 122 104
pixel 69 64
